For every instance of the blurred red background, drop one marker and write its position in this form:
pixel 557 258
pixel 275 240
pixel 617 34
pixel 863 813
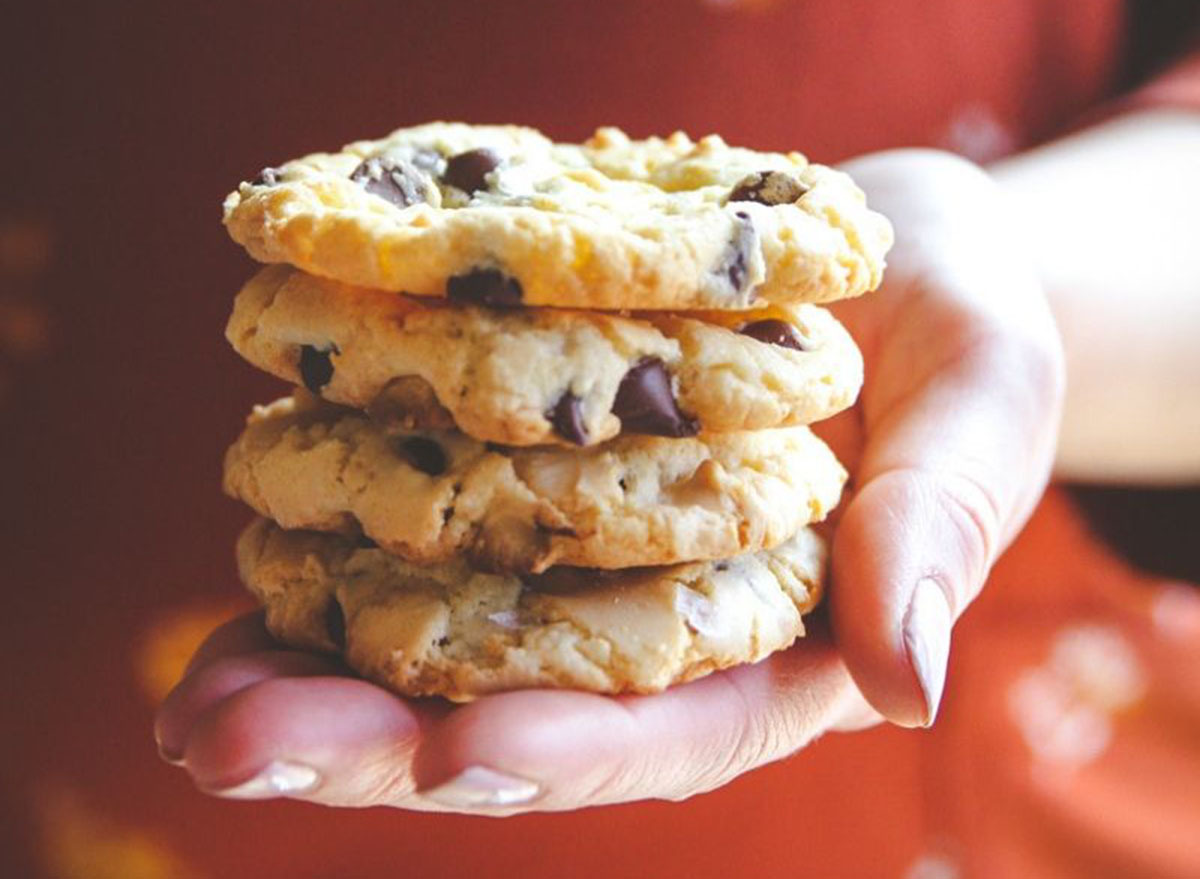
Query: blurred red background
pixel 123 127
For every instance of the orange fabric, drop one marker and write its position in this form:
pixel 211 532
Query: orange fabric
pixel 1071 743
pixel 118 393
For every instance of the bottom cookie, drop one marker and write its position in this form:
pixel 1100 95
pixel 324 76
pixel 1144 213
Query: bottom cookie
pixel 453 631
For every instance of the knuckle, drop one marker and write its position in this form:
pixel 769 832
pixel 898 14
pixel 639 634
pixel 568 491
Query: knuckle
pixel 1034 356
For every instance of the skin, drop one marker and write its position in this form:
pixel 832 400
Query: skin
pixel 1129 190
pixel 950 447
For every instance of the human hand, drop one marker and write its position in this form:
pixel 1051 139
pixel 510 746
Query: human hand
pixel 949 449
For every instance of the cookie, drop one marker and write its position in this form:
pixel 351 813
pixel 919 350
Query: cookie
pixel 425 495
pixel 456 631
pixel 500 215
pixel 535 375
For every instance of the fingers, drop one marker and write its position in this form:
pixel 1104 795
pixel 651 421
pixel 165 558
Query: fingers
pixel 338 741
pixel 959 415
pixel 220 678
pixel 245 634
pixel 949 473
pixel 250 720
pixel 556 750
pixel 270 724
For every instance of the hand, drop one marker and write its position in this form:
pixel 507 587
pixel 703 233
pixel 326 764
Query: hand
pixel 949 449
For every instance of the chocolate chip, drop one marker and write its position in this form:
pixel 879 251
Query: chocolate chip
pixel 468 171
pixel 736 264
pixel 394 180
pixel 645 403
pixel 316 369
pixel 769 188
pixel 567 418
pixel 335 623
pixel 364 542
pixel 774 332
pixel 422 454
pixel 484 287
pixel 267 177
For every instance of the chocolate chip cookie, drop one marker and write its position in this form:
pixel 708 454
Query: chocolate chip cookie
pixel 501 216
pixel 536 375
pixel 460 632
pixel 426 495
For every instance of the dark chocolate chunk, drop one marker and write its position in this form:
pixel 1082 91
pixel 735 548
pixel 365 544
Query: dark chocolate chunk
pixel 364 542
pixel 421 453
pixel 395 180
pixel 335 623
pixel 484 287
pixel 567 418
pixel 267 177
pixel 468 171
pixel 769 188
pixel 645 403
pixel 316 369
pixel 736 264
pixel 774 332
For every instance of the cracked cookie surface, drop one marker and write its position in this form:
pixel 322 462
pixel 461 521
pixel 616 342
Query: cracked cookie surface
pixel 501 215
pixel 534 376
pixel 455 631
pixel 426 495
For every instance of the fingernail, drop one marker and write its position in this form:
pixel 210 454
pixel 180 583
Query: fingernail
pixel 278 778
pixel 479 786
pixel 167 755
pixel 927 640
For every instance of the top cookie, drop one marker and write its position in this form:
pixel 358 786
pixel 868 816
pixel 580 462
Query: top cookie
pixel 500 215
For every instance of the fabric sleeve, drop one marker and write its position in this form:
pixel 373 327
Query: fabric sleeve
pixel 1177 86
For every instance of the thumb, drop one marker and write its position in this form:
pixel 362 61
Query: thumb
pixel 949 474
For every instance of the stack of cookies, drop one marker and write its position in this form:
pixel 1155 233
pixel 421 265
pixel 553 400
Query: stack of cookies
pixel 550 420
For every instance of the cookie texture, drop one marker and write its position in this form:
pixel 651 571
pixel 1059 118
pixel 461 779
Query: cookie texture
pixel 534 376
pixel 459 632
pixel 425 495
pixel 501 215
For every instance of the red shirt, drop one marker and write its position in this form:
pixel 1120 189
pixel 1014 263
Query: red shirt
pixel 1068 742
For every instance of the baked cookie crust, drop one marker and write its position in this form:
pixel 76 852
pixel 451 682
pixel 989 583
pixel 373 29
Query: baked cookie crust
pixel 502 215
pixel 427 495
pixel 455 631
pixel 534 376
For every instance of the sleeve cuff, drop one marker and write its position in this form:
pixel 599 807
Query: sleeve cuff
pixel 1177 86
